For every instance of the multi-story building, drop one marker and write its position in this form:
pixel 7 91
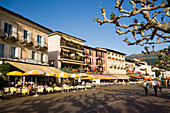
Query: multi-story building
pixel 66 52
pixel 95 60
pixel 22 39
pixel 141 67
pixel 115 62
pixel 129 67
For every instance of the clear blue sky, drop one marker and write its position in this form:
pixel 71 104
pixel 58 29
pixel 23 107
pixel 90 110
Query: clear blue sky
pixel 75 17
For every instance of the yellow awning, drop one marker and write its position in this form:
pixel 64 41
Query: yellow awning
pixel 65 50
pixel 74 76
pixel 62 75
pixel 80 54
pixel 34 72
pixel 66 38
pixel 72 62
pixel 27 67
pixel 15 73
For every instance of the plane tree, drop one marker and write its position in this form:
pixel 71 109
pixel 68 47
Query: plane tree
pixel 152 29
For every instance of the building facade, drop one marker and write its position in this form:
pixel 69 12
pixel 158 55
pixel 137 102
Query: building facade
pixel 95 60
pixel 129 67
pixel 66 52
pixel 141 67
pixel 22 39
pixel 115 62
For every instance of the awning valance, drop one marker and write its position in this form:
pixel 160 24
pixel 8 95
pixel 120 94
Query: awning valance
pixel 121 76
pixel 66 38
pixel 27 67
pixel 65 50
pixel 80 54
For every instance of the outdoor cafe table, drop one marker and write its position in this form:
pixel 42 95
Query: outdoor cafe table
pixel 66 88
pixel 49 89
pixel 56 88
pixel 22 91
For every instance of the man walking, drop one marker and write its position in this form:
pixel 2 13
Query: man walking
pixel 155 86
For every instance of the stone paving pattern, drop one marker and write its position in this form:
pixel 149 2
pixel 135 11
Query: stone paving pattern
pixel 110 99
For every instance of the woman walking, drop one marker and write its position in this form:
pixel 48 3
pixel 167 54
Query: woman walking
pixel 146 87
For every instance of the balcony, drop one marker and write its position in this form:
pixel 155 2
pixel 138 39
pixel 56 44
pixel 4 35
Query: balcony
pixel 71 45
pixel 9 35
pixel 75 58
pixel 70 69
pixel 99 63
pixel 27 41
pixel 41 45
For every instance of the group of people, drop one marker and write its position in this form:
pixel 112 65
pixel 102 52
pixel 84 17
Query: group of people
pixel 33 87
pixel 156 84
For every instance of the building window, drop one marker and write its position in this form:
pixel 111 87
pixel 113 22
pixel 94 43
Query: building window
pixel 1 50
pixel 25 35
pixel 91 52
pixel 42 56
pixel 33 55
pixel 39 40
pixel 8 29
pixel 91 61
pixel 13 52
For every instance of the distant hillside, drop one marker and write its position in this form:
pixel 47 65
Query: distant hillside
pixel 149 58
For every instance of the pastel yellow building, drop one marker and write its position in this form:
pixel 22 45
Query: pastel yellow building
pixel 22 39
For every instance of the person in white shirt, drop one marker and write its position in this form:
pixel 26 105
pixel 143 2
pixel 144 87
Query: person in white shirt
pixel 155 86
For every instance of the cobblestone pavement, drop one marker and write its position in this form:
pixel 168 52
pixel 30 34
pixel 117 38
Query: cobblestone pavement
pixel 110 99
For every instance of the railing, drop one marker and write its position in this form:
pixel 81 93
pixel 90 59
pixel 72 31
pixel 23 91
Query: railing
pixel 99 63
pixel 72 58
pixel 41 45
pixel 28 40
pixel 72 70
pixel 73 45
pixel 10 35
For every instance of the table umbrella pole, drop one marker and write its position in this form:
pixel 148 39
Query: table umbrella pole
pixel 23 79
pixel 36 79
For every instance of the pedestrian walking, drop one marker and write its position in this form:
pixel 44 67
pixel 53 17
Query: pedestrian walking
pixel 146 87
pixel 115 82
pixel 155 86
pixel 159 85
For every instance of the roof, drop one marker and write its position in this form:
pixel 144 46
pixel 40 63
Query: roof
pixel 20 16
pixel 97 49
pixel 61 33
pixel 115 51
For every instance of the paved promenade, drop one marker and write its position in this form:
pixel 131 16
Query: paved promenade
pixel 111 99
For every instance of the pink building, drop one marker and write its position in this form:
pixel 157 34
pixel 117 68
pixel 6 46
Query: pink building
pixel 95 60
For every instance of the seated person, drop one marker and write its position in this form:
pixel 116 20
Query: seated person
pixel 65 85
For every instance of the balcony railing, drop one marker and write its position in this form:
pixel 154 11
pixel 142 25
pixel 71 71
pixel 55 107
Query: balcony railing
pixel 82 70
pixel 72 45
pixel 28 40
pixel 41 45
pixel 9 35
pixel 73 57
pixel 99 63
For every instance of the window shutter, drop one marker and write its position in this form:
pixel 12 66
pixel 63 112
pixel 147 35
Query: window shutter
pixel 22 34
pixel 43 41
pixel 16 52
pixel 36 39
pixel 2 27
pixel 2 24
pixel 6 50
pixel 39 57
pixel 14 30
pixel 46 58
pixel 30 54
pixel 19 53
pixel 36 56
pixel 28 37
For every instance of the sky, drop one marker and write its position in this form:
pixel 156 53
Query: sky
pixel 75 17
